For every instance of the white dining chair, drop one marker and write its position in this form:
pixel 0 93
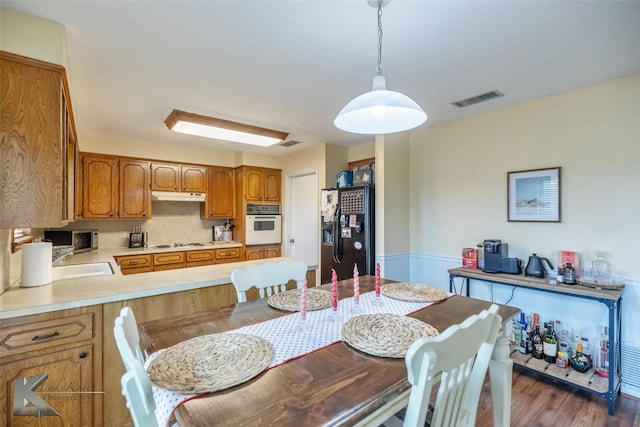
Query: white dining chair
pixel 269 278
pixel 136 385
pixel 457 359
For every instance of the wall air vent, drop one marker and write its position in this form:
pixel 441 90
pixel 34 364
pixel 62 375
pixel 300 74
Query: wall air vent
pixel 478 98
pixel 289 143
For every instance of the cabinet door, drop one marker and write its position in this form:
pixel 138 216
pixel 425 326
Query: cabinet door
pixel 135 196
pixel 165 177
pixel 271 251
pixel 220 196
pixel 32 149
pixel 194 179
pixel 253 253
pixel 272 186
pixel 67 388
pixel 201 257
pixel 253 185
pixel 100 182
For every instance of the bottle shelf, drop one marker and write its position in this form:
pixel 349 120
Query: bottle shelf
pixel 588 380
pixel 611 298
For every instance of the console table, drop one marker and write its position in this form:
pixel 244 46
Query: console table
pixel 612 299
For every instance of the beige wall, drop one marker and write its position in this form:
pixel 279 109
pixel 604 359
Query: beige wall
pixel 362 151
pixel 459 176
pixel 31 36
pixel 152 150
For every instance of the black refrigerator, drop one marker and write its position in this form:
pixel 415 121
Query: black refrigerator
pixel 348 232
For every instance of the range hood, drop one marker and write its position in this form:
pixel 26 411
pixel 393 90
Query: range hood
pixel 174 196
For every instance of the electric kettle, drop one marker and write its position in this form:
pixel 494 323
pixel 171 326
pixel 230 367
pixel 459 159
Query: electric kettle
pixel 534 266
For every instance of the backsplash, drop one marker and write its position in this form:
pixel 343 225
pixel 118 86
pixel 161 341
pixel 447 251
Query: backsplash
pixel 171 222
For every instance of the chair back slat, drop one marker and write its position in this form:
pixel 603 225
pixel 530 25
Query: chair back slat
pixel 269 278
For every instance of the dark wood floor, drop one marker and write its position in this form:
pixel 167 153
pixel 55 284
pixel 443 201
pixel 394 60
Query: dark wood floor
pixel 540 402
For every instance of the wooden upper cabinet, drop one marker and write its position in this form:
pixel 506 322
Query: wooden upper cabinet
pixel 35 127
pixel 165 177
pixel 261 184
pixel 100 183
pixel 272 185
pixel 176 177
pixel 193 178
pixel 135 196
pixel 220 196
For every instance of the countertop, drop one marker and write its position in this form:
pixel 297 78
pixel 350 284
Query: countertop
pixel 64 294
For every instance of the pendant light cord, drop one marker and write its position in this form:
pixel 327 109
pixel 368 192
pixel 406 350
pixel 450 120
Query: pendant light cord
pixel 379 68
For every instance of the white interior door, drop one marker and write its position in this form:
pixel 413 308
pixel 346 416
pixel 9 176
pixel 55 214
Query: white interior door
pixel 304 220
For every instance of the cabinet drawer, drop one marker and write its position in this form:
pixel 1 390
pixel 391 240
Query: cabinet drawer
pixel 223 254
pixel 134 261
pixel 24 337
pixel 200 256
pixel 168 258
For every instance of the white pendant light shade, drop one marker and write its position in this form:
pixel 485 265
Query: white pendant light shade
pixel 380 111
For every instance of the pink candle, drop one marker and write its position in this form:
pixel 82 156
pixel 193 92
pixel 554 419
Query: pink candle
pixel 303 300
pixel 356 284
pixel 334 289
pixel 378 279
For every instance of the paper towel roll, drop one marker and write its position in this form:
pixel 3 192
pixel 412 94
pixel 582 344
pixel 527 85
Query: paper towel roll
pixel 36 264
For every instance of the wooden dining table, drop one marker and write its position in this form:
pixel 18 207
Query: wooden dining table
pixel 334 386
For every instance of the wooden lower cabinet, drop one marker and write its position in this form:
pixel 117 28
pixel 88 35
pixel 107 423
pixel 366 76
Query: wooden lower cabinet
pixel 261 252
pixel 227 255
pixel 200 257
pixel 145 309
pixel 134 264
pixel 169 261
pixel 65 345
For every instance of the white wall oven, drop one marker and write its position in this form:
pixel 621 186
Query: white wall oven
pixel 263 225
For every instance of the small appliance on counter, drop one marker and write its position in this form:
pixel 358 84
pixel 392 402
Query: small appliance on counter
pixel 535 268
pixel 496 258
pixel 137 238
pixel 81 240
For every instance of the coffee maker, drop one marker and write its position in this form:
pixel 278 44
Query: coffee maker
pixel 494 252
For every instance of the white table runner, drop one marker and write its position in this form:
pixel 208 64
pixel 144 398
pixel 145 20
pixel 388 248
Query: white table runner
pixel 288 343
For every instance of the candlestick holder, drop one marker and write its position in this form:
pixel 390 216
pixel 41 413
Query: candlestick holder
pixel 377 301
pixel 334 315
pixel 302 326
pixel 356 309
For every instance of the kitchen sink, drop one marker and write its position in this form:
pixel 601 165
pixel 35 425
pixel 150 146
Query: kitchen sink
pixel 76 271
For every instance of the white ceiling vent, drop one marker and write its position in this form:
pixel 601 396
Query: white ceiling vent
pixel 478 98
pixel 289 143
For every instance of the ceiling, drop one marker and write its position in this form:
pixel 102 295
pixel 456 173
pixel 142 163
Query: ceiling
pixel 292 65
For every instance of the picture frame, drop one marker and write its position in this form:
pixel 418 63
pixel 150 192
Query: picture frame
pixel 534 195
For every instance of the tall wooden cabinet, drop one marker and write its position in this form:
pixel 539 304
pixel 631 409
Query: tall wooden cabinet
pixel 38 140
pixel 134 191
pixel 220 199
pixel 100 187
pixel 114 187
pixel 65 345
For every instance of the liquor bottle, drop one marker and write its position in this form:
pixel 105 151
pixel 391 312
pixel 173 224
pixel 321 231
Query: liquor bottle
pixel 517 331
pixel 579 362
pixel 603 369
pixel 550 345
pixel 537 349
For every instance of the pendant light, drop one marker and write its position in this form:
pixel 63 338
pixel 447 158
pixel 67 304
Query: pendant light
pixel 380 111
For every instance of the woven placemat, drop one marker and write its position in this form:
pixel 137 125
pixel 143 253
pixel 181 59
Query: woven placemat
pixel 317 299
pixel 384 334
pixel 413 292
pixel 210 363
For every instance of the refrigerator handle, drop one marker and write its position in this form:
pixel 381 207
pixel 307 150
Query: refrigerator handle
pixel 337 238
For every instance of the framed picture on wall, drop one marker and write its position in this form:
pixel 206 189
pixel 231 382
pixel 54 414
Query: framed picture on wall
pixel 534 195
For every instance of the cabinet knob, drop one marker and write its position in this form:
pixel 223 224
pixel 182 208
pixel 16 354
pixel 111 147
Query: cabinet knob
pixel 82 355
